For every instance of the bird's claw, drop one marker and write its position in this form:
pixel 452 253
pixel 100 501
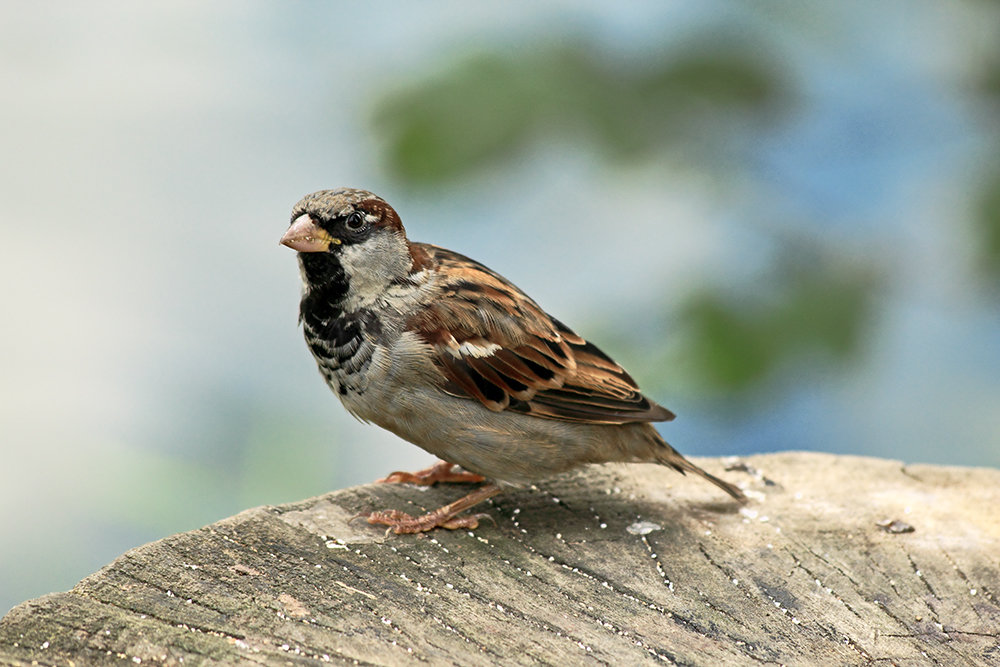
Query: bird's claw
pixel 442 471
pixel 401 523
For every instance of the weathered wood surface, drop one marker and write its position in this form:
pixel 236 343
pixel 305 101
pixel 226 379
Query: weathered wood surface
pixel 614 565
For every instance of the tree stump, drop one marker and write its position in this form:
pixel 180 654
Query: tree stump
pixel 837 560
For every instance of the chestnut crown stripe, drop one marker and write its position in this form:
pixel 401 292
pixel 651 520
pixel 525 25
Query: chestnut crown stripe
pixel 326 206
pixel 500 348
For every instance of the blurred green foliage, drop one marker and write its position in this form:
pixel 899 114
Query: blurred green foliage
pixel 485 109
pixel 489 106
pixel 814 310
pixel 986 217
pixel 987 226
pixel 481 112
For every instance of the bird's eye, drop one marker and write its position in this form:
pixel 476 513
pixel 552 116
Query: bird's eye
pixel 355 222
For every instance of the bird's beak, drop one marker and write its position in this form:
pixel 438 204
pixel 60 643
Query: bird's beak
pixel 306 236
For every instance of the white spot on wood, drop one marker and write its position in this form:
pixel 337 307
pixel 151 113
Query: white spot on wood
pixel 643 528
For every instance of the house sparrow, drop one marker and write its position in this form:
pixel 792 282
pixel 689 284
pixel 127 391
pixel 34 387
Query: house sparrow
pixel 452 357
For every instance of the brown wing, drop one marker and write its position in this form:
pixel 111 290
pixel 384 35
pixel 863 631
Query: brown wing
pixel 494 344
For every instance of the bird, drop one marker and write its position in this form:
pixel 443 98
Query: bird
pixel 454 358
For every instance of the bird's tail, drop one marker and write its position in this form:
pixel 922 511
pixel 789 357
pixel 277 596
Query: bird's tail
pixel 681 464
pixel 669 456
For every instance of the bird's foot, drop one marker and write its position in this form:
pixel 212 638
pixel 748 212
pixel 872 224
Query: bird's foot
pixel 443 517
pixel 442 471
pixel 402 523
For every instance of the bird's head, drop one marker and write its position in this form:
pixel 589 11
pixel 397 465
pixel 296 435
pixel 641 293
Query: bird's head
pixel 353 233
pixel 328 219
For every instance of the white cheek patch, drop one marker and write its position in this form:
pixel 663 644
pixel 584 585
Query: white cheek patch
pixel 361 256
pixel 379 258
pixel 374 265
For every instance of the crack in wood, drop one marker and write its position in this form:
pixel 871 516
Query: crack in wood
pixel 539 573
pixel 558 575
pixel 920 575
pixel 471 593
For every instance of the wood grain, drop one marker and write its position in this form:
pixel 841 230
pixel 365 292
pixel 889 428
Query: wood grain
pixel 618 564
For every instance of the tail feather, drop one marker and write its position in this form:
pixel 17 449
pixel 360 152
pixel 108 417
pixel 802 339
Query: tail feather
pixel 667 455
pixel 681 464
pixel 650 446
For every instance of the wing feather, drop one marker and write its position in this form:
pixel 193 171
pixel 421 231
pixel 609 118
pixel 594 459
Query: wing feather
pixel 495 345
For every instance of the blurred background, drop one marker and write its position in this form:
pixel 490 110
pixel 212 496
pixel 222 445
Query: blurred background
pixel 783 217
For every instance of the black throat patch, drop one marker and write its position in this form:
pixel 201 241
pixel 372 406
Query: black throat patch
pixel 341 341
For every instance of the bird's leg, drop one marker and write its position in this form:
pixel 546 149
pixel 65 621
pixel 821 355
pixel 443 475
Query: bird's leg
pixel 442 471
pixel 443 517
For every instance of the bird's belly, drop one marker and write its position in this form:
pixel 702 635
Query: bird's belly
pixel 505 447
pixel 401 395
